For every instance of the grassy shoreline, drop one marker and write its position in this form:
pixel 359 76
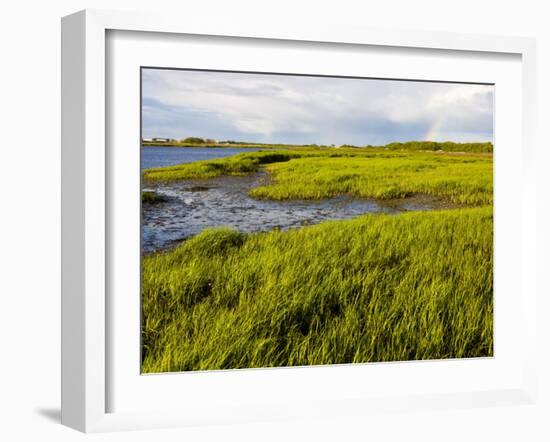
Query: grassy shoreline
pixel 379 174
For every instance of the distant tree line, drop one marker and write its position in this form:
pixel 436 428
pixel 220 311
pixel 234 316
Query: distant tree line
pixel 447 146
pixel 233 142
pixel 434 146
pixel 197 140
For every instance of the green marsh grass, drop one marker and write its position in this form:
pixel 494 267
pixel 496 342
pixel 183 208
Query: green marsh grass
pixel 371 173
pixel 150 197
pixel 416 285
pixel 240 164
pixel 462 180
pixel 376 288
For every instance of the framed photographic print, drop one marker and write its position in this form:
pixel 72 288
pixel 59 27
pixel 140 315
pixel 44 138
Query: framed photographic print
pixel 269 223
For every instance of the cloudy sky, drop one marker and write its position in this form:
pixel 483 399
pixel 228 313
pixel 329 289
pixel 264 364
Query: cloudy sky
pixel 322 110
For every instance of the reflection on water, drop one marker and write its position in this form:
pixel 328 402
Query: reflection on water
pixel 193 205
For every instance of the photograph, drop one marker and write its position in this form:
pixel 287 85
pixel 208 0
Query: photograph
pixel 292 220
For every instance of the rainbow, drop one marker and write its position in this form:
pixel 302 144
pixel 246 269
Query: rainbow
pixel 433 131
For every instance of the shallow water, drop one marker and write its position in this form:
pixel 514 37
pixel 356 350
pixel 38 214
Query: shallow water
pixel 193 205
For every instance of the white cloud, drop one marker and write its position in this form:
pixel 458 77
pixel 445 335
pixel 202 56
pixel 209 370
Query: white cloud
pixel 318 109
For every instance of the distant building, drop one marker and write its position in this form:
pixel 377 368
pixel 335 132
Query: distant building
pixel 162 140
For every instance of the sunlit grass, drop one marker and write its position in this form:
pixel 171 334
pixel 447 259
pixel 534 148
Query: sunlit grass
pixel 240 164
pixel 463 180
pixel 376 288
pixel 371 173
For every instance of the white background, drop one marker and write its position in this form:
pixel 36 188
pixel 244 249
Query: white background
pixel 189 393
pixel 30 231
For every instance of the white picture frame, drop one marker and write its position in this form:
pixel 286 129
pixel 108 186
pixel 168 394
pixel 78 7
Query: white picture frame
pixel 85 210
